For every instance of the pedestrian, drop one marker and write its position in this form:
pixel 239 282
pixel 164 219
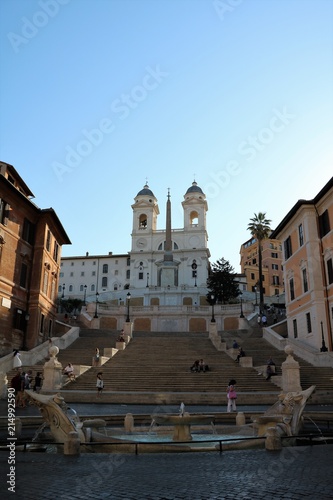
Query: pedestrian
pixel 99 384
pixel 264 320
pixel 231 396
pixel 16 384
pixel 96 357
pixel 17 363
pixel 235 344
pixel 38 382
pixel 259 320
pixel 240 354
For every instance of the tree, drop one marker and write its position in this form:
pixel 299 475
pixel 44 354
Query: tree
pixel 260 229
pixel 221 282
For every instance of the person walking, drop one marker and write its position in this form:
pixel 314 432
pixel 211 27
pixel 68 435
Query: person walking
pixel 17 363
pixel 96 357
pixel 99 384
pixel 231 396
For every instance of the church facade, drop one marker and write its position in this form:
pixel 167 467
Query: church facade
pixel 164 266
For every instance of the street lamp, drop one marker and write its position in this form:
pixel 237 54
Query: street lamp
pixel 85 294
pixel 128 306
pixel 241 304
pixel 212 298
pixel 147 286
pixel 323 347
pixel 255 291
pixel 96 315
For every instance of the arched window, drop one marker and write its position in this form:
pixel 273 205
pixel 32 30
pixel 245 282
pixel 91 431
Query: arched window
pixel 105 268
pixel 70 289
pixel 92 288
pixel 143 221
pixel 104 282
pixel 194 218
pixel 81 288
pixel 115 287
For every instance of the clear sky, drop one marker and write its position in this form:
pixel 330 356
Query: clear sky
pixel 99 95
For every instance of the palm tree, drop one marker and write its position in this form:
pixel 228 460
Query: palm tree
pixel 260 229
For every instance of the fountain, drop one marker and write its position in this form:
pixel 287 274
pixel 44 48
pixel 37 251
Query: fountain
pixel 182 423
pixel 284 418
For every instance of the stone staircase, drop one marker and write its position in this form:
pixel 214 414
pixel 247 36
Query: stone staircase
pixel 155 368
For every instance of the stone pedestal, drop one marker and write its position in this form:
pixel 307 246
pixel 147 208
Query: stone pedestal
pixel 52 372
pixel 273 440
pixel 291 380
pixel 120 346
pixel 240 418
pixel 212 329
pixel 128 329
pixel 129 422
pixel 72 444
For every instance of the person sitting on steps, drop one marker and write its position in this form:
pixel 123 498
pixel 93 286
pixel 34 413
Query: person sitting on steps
pixel 240 354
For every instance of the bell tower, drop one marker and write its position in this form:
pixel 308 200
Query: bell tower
pixel 145 212
pixel 195 208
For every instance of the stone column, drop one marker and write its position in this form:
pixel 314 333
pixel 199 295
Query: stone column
pixel 52 372
pixel 291 380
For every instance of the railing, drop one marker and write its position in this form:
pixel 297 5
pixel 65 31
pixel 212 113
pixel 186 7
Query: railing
pixel 325 440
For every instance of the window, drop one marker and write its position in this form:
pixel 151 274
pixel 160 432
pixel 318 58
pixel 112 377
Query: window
pixel 104 282
pixel 82 273
pixel 254 261
pixel 330 271
pixel 48 240
pixel 116 272
pixel 276 280
pixel 19 319
pixel 83 263
pixel 291 289
pixel 23 275
pixel 274 255
pixel 128 261
pixel 253 276
pixel 93 273
pixel 28 232
pixel 81 288
pixel 72 263
pixel 4 210
pixel 45 282
pixel 92 288
pixel 295 328
pixel 305 280
pixel 300 235
pixel 61 275
pixel 105 268
pixel 115 287
pixel 140 276
pixel 70 289
pixel 42 320
pixel 308 322
pixel 116 262
pixel 324 224
pixel 71 275
pixel 287 248
pixel 55 251
pixel 275 267
pixel 128 274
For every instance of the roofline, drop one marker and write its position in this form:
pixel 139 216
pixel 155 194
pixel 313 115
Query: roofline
pixel 125 255
pixel 13 170
pixel 298 205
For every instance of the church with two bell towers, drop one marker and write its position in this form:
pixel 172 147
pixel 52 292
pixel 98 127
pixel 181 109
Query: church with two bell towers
pixel 164 266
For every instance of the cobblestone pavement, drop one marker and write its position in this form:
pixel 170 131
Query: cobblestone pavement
pixel 296 473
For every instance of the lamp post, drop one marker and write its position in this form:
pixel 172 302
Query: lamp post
pixel 85 294
pixel 194 271
pixel 128 306
pixel 212 298
pixel 147 286
pixel 323 347
pixel 241 304
pixel 63 292
pixel 96 307
pixel 255 291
